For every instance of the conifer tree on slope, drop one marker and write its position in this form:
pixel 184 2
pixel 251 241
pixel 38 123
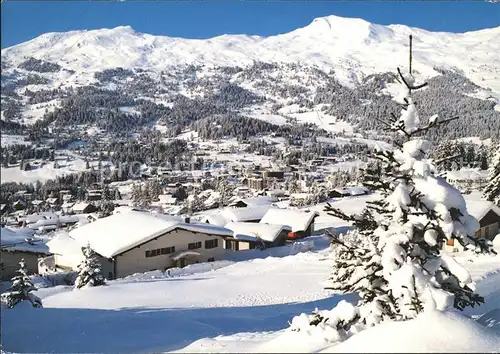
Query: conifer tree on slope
pixel 89 270
pixel 492 190
pixel 21 289
pixel 399 270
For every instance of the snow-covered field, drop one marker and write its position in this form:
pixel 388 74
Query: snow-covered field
pixel 244 306
pixel 14 139
pixel 43 173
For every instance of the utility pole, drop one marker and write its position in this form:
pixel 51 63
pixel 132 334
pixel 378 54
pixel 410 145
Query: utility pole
pixel 410 51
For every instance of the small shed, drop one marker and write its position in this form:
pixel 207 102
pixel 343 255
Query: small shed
pixel 84 208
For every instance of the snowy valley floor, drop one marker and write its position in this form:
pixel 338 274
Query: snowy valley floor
pixel 244 306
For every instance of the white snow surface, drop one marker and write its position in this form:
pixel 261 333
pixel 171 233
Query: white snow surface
pixel 430 332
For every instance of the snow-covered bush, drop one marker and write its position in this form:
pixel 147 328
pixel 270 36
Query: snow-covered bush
pixel 54 279
pixel 333 325
pixel 399 270
pixel 89 271
pixel 21 289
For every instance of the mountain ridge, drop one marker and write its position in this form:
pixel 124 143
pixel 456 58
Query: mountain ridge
pixel 352 47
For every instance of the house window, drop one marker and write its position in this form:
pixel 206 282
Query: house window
pixel 211 243
pixel 168 250
pixel 211 259
pixel 194 245
pixel 450 242
pixel 160 251
pixel 486 231
pixel 478 233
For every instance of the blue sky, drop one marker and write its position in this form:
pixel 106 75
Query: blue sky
pixel 22 21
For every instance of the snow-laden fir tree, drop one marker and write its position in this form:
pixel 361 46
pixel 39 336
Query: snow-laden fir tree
pixel 491 191
pixel 21 289
pixel 154 189
pixel 225 190
pixel 399 269
pixel 89 270
pixel 136 194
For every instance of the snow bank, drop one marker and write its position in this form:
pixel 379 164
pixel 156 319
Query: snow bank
pixel 430 332
pixel 177 272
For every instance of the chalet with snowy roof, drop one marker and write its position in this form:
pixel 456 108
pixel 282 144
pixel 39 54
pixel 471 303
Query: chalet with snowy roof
pixel 17 244
pixel 253 202
pixel 248 214
pixel 247 235
pixel 300 222
pixel 135 242
pixel 167 199
pixel 52 201
pixel 488 216
pixel 84 208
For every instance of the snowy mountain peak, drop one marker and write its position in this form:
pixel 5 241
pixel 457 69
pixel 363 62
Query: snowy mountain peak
pixel 346 29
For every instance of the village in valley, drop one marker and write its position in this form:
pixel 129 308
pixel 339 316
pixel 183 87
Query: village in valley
pixel 250 208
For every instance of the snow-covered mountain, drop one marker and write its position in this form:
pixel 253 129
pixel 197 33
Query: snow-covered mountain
pixel 353 48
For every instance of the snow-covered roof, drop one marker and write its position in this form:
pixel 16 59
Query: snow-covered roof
pixel 63 219
pixel 256 201
pixel 479 208
pixel 14 239
pixel 167 199
pixel 33 218
pixel 266 232
pixel 62 243
pixel 351 190
pixel 296 219
pixel 245 214
pixel 356 190
pixel 214 219
pixel 80 206
pixel 118 233
pixel 467 174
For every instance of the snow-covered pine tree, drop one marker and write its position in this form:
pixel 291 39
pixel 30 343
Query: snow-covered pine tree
pixel 154 189
pixel 318 193
pixel 225 190
pixel 400 271
pixel 136 194
pixel 21 289
pixel 89 270
pixel 491 191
